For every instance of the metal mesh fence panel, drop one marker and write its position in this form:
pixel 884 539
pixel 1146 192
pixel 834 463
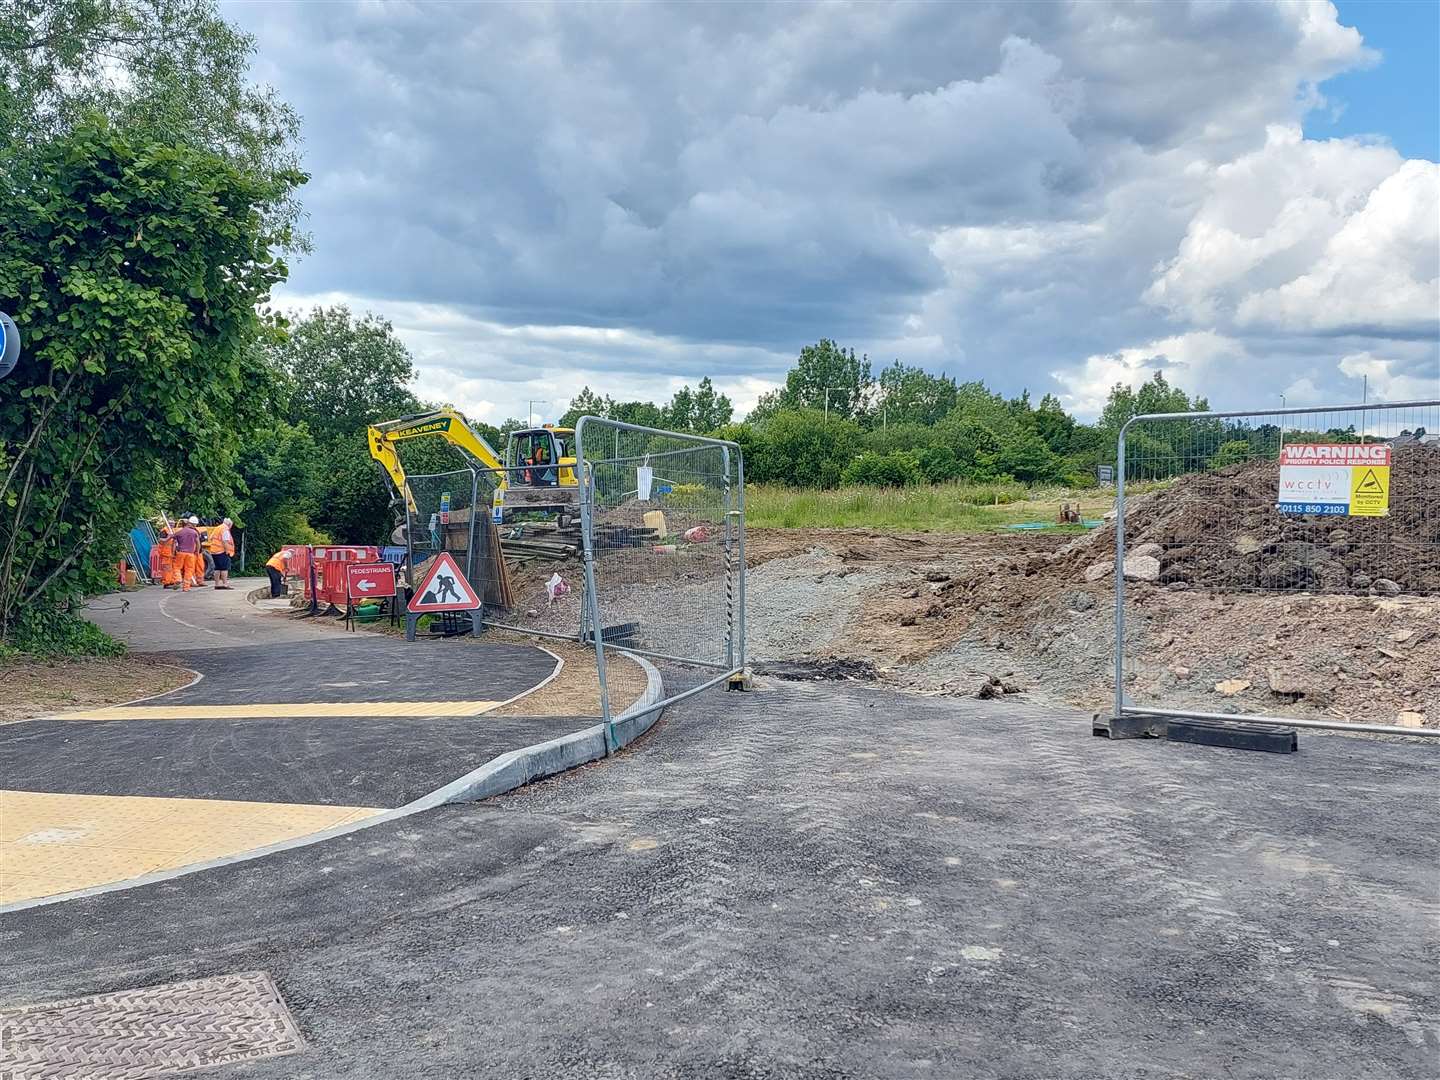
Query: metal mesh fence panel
pixel 1334 511
pixel 534 583
pixel 664 524
pixel 447 512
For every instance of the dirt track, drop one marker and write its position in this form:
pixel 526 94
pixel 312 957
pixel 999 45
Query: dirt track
pixel 938 614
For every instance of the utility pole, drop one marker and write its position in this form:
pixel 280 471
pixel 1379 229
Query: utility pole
pixel 1282 426
pixel 828 389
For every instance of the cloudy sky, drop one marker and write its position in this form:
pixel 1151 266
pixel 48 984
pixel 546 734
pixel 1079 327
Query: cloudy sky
pixel 1045 196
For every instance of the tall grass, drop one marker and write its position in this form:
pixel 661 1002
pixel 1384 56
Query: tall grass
pixel 954 507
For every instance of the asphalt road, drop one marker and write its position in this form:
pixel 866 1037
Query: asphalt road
pixel 373 760
pixel 833 881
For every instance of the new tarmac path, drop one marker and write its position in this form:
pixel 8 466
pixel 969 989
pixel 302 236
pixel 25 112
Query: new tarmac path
pixel 291 727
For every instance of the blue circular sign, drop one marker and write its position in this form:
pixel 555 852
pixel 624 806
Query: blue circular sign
pixel 9 344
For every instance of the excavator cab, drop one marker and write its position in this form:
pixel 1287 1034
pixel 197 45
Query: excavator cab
pixel 541 457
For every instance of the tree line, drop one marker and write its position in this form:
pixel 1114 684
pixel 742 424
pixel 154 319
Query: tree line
pixel 834 421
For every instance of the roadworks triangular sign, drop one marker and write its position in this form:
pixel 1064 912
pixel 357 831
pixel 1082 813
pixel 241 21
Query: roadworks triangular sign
pixel 444 589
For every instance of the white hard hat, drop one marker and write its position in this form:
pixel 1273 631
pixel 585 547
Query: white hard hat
pixel 194 520
pixel 227 521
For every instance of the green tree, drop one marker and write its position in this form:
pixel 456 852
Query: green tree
pixel 801 448
pixel 1053 424
pixel 280 467
pixel 823 372
pixel 895 469
pixel 1024 455
pixel 1234 452
pixel 1154 396
pixel 911 395
pixel 134 268
pixel 699 410
pixel 174 68
pixel 345 372
pixel 643 413
pixel 585 403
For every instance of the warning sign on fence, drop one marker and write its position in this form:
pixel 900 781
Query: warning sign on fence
pixel 1335 478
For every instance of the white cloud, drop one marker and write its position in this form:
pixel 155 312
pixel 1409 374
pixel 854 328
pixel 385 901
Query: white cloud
pixel 1379 272
pixel 1386 381
pixel 1187 360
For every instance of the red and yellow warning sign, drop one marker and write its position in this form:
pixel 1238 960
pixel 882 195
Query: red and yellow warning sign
pixel 444 589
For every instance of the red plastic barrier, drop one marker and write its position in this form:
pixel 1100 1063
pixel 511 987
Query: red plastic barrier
pixel 330 562
pixel 298 562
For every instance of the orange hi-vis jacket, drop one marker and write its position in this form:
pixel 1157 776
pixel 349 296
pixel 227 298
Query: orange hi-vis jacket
pixel 220 541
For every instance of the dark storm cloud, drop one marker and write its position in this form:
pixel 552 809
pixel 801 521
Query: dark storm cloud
pixel 992 188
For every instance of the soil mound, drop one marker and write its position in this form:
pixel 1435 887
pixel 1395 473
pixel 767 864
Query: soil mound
pixel 1221 530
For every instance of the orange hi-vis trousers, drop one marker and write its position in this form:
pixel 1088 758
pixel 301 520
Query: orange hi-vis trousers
pixel 169 562
pixel 192 569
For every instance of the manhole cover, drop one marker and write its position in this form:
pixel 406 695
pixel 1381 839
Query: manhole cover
pixel 148 1034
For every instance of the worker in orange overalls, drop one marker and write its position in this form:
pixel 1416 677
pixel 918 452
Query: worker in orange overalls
pixel 167 564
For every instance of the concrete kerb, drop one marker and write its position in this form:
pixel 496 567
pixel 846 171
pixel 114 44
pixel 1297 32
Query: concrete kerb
pixel 519 767
pixel 496 777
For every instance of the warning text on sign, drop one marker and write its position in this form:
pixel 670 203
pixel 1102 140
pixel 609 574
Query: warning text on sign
pixel 1341 479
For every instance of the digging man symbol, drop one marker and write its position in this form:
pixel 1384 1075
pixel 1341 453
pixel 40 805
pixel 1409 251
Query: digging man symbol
pixel 446 585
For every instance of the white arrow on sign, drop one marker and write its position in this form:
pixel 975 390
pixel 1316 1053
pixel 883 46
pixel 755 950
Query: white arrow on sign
pixel 364 585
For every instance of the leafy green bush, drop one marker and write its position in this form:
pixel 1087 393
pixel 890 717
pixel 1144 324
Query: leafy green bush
pixel 911 438
pixel 56 632
pixel 895 469
pixel 805 449
pixel 939 464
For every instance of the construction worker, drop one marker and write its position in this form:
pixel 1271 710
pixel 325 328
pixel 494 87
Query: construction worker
pixel 187 547
pixel 221 545
pixel 544 475
pixel 167 562
pixel 277 566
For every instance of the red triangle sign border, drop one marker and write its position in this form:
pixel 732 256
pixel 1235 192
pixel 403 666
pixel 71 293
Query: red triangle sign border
pixel 466 599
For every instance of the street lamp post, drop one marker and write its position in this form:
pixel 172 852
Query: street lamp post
pixel 828 391
pixel 533 403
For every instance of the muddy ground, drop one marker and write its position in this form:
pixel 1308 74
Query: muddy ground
pixel 942 614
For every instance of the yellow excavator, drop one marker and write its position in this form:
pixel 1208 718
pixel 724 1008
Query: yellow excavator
pixel 537 472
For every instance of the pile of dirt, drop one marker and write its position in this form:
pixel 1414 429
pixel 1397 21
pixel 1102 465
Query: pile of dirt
pixel 1221 530
pixel 830 668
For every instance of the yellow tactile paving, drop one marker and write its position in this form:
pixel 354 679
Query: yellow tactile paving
pixel 292 709
pixel 52 843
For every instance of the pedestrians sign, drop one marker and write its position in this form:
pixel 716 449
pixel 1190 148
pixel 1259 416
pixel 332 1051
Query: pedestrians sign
pixel 444 589
pixel 364 580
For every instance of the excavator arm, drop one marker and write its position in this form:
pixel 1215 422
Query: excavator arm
pixel 446 423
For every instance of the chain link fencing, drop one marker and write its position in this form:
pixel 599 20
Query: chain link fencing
pixel 1329 503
